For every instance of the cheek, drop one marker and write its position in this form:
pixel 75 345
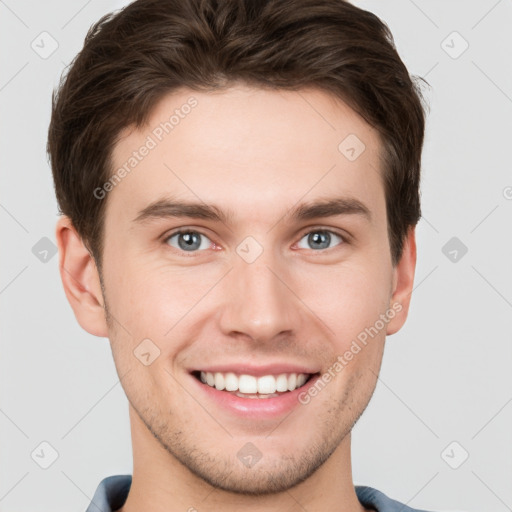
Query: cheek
pixel 151 297
pixel 347 298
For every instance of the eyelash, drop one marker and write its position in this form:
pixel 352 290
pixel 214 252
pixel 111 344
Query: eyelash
pixel 179 231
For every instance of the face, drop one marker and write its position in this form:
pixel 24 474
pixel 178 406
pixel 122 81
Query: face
pixel 253 286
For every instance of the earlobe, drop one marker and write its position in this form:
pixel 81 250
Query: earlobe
pixel 80 279
pixel 403 281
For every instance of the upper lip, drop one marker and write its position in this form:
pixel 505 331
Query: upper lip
pixel 257 371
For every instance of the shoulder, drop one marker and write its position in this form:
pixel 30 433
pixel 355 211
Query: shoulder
pixel 111 493
pixel 370 497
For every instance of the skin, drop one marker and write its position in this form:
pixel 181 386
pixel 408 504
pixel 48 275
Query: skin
pixel 257 152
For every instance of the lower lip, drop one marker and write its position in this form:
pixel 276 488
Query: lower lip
pixel 256 408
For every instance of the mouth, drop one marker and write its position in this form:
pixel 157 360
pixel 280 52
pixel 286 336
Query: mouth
pixel 254 387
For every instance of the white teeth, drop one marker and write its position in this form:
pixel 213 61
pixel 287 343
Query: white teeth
pixel 292 382
pixel 282 383
pixel 241 395
pixel 210 379
pixel 266 384
pixel 245 385
pixel 231 381
pixel 219 381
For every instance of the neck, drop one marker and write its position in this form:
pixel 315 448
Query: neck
pixel 162 484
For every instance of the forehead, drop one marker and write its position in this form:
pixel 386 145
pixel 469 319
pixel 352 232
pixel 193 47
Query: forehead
pixel 249 151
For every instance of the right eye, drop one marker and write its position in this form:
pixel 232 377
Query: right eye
pixel 188 241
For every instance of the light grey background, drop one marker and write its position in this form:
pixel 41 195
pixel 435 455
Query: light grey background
pixel 445 377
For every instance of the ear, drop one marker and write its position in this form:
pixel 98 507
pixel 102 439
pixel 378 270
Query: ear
pixel 80 278
pixel 403 280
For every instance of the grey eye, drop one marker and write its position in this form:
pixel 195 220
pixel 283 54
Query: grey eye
pixel 319 239
pixel 189 241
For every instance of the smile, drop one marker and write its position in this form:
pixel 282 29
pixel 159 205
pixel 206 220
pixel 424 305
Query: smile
pixel 258 392
pixel 250 386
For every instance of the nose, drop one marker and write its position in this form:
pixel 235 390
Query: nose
pixel 258 301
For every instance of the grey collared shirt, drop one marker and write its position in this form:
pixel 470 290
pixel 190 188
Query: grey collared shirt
pixel 113 491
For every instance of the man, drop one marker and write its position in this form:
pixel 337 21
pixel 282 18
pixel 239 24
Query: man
pixel 239 184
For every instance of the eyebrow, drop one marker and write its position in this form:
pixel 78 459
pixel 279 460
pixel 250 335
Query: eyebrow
pixel 170 208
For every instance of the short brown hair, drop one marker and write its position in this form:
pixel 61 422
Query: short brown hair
pixel 132 58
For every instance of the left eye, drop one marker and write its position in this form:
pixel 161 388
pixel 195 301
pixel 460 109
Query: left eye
pixel 320 239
